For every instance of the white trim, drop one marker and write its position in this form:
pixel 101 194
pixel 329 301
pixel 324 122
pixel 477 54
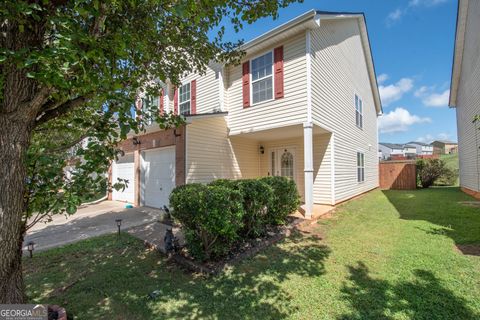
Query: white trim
pixel 355 94
pixel 221 93
pixel 332 168
pixel 189 99
pixel 251 81
pixel 281 147
pixel 458 50
pixel 308 57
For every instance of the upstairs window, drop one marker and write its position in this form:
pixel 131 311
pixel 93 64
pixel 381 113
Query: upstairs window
pixel 262 78
pixel 149 107
pixel 360 167
pixel 358 112
pixel 184 99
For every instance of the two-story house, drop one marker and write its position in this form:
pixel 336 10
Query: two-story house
pixel 465 95
pixel 422 149
pixel 389 150
pixel 302 104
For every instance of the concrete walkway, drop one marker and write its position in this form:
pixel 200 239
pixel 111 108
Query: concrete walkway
pixel 90 221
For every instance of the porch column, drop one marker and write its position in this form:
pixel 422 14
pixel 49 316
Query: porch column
pixel 308 167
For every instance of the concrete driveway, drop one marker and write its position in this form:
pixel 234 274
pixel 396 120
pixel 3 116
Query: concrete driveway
pixel 89 221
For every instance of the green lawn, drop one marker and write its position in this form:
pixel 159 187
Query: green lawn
pixel 451 160
pixel 387 255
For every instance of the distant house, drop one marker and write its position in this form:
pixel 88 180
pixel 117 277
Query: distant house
pixel 390 150
pixel 444 147
pixel 409 151
pixel 465 94
pixel 423 149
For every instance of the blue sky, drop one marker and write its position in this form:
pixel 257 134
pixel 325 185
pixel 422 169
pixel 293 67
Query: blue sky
pixel 412 43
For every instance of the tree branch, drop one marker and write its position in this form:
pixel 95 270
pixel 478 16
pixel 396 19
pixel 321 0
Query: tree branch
pixel 60 110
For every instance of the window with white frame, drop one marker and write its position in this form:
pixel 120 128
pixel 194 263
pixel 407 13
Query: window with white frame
pixel 184 99
pixel 262 78
pixel 149 106
pixel 360 167
pixel 358 111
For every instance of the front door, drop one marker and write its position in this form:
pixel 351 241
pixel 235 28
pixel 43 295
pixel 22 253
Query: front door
pixel 282 162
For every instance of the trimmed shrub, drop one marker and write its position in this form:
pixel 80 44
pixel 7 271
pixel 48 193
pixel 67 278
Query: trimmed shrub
pixel 211 217
pixel 431 170
pixel 285 199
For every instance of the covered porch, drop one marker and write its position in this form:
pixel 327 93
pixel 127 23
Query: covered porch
pixel 301 152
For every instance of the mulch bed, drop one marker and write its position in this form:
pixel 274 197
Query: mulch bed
pixel 469 249
pixel 243 251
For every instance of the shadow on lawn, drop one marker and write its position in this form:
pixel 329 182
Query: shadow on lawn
pixel 114 282
pixel 443 207
pixel 422 298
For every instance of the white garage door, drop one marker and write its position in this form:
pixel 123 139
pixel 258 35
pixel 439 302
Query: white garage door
pixel 123 169
pixel 158 167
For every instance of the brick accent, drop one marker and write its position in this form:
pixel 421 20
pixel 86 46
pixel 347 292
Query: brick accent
pixel 475 194
pixel 154 140
pixel 109 195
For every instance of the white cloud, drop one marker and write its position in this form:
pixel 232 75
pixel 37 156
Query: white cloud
pixel 394 92
pixel 428 138
pixel 437 99
pixel 394 16
pixel 430 98
pixel 399 120
pixel 382 78
pixel 398 13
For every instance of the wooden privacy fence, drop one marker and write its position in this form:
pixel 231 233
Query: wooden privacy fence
pixel 398 175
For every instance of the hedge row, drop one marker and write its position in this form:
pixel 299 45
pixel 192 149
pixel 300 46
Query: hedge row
pixel 217 216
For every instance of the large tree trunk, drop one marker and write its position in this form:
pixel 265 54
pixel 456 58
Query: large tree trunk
pixel 14 138
pixel 22 99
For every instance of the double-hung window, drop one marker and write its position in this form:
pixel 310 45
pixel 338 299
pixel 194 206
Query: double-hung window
pixel 149 106
pixel 360 167
pixel 262 78
pixel 358 112
pixel 184 99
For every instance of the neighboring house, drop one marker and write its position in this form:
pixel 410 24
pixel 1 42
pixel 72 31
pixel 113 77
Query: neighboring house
pixel 444 147
pixel 465 94
pixel 303 103
pixel 409 151
pixel 390 149
pixel 422 149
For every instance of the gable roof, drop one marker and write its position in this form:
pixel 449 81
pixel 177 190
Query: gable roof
pixel 445 141
pixel 419 143
pixel 312 19
pixel 458 50
pixel 392 145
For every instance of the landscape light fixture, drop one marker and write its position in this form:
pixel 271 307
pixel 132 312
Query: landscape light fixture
pixel 31 247
pixel 119 223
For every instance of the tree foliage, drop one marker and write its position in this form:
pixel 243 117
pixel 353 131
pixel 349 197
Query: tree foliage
pixel 93 59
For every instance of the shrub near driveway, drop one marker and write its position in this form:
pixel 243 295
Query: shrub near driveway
pixel 211 217
pixel 225 212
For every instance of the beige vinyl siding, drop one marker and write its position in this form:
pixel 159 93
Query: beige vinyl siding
pixel 339 71
pixel 468 102
pixel 322 184
pixel 208 89
pixel 321 164
pixel 212 155
pixel 276 113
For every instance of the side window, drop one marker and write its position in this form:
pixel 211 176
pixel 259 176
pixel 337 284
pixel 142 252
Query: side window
pixel 360 167
pixel 358 112
pixel 184 99
pixel 262 78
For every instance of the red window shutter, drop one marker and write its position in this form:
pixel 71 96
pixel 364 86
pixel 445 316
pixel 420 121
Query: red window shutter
pixel 278 67
pixel 193 97
pixel 161 105
pixel 175 101
pixel 246 84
